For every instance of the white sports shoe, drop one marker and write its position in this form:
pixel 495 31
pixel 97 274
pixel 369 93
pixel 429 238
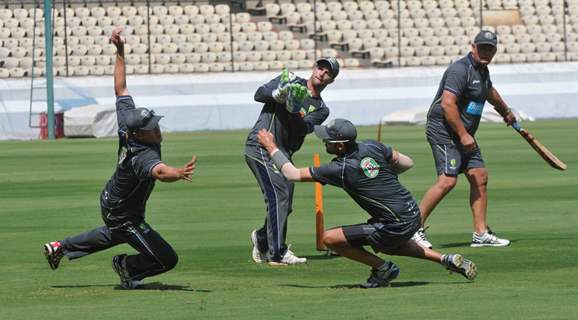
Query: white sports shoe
pixel 488 239
pixel 256 255
pixel 421 239
pixel 289 258
pixel 461 265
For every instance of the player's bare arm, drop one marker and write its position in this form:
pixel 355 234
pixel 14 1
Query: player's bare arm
pixel 119 65
pixel 501 107
pixel 287 168
pixel 400 162
pixel 452 115
pixel 165 173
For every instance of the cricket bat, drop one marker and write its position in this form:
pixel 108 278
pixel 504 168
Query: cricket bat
pixel 548 156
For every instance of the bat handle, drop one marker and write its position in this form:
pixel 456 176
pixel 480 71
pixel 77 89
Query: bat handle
pixel 517 126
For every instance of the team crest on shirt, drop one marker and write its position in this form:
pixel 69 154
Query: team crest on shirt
pixel 370 167
pixel 453 163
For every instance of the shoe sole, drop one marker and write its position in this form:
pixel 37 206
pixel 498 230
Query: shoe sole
pixel 256 255
pixel 277 264
pixel 48 252
pixel 480 245
pixel 471 272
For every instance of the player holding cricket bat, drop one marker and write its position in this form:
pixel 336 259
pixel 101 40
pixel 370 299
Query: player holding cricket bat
pixel 368 171
pixel 452 121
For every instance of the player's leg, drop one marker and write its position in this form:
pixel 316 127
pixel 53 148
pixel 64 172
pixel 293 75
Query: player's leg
pixel 452 262
pixel 348 241
pixel 336 240
pixel 277 192
pixel 259 236
pixel 478 178
pixel 155 255
pixel 80 245
pixel 447 161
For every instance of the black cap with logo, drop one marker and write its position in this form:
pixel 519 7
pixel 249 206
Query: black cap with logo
pixel 142 118
pixel 337 130
pixel 486 37
pixel 331 63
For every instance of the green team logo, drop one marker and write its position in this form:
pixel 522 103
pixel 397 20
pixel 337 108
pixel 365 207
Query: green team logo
pixel 369 167
pixel 311 108
pixel 453 163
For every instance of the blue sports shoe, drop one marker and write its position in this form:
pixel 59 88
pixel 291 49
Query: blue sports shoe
pixel 381 278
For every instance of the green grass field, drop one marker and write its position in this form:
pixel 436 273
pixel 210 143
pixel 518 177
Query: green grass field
pixel 50 190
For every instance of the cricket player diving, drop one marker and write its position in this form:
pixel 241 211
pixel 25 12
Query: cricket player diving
pixel 368 172
pixel 292 107
pixel 123 200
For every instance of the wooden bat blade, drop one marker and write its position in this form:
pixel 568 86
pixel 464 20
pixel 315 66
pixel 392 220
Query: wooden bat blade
pixel 546 154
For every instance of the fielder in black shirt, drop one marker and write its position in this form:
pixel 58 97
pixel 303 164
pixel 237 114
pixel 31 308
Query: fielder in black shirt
pixel 368 172
pixel 123 200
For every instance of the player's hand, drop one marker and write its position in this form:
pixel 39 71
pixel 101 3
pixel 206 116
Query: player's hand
pixel 189 169
pixel 285 80
pixel 509 118
pixel 297 94
pixel 468 142
pixel 116 39
pixel 266 139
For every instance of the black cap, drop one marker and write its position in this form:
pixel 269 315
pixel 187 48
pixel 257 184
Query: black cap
pixel 486 37
pixel 331 63
pixel 337 130
pixel 142 118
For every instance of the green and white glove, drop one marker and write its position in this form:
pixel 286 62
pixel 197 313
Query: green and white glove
pixel 280 94
pixel 296 96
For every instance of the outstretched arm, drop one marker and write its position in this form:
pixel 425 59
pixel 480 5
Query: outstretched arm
pixel 166 173
pixel 287 168
pixel 119 65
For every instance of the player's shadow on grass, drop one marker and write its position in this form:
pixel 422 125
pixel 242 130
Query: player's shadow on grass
pixel 149 286
pixel 322 256
pixel 398 284
pixel 164 287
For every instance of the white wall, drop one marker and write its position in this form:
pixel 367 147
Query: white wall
pixel 225 101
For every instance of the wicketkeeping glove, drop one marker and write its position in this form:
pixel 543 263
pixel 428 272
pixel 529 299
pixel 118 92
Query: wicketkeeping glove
pixel 286 79
pixel 297 93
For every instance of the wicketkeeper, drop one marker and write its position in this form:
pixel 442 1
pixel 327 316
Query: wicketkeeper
pixel 123 200
pixel 292 107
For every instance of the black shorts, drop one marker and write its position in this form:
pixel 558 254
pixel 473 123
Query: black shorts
pixel 451 160
pixel 376 236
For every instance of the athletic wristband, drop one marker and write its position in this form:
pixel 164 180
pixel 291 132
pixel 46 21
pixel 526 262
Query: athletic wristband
pixel 279 159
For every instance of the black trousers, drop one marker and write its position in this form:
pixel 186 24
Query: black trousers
pixel 154 256
pixel 278 196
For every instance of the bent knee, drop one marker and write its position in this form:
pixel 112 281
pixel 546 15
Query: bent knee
pixel 447 183
pixel 170 262
pixel 330 239
pixel 333 238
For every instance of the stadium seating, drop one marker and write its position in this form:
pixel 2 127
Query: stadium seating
pixel 197 38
